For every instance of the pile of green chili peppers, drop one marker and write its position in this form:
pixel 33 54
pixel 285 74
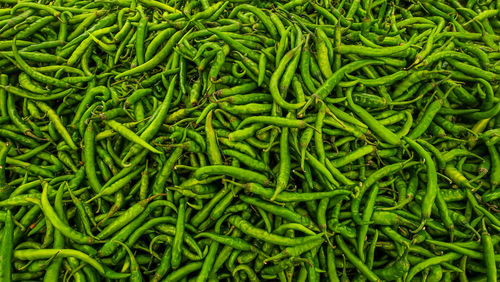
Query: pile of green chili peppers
pixel 146 140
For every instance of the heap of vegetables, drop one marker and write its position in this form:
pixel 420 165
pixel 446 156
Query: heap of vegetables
pixel 249 140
